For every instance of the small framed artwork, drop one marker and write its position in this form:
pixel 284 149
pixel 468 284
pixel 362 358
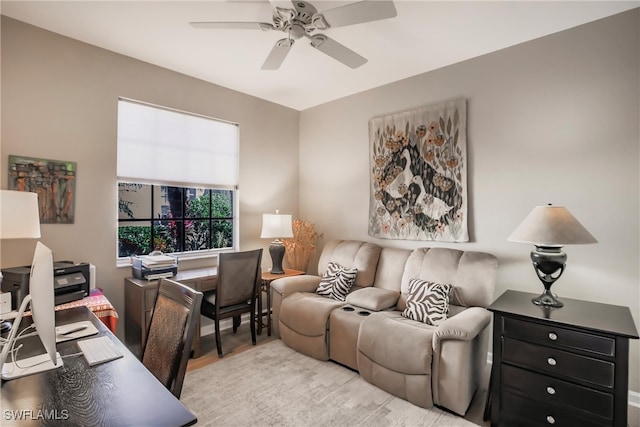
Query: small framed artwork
pixel 53 180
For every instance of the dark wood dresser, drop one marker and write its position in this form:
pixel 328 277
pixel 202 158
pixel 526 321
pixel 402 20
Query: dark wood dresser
pixel 564 366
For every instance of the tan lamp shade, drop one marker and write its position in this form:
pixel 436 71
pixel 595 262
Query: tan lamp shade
pixel 19 215
pixel 551 226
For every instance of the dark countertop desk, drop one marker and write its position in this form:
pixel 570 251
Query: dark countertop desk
pixel 117 393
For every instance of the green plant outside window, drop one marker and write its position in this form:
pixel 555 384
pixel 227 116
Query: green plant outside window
pixel 173 219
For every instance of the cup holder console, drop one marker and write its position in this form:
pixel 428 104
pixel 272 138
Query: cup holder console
pixel 359 313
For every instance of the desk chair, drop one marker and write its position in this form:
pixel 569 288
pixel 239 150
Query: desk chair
pixel 171 331
pixel 236 292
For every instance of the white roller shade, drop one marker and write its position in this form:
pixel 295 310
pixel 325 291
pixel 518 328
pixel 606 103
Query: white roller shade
pixel 157 145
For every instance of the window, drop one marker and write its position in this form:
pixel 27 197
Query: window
pixel 177 178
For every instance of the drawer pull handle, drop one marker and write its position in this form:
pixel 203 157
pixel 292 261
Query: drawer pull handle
pixel 551 390
pixel 553 336
pixel 550 419
pixel 551 361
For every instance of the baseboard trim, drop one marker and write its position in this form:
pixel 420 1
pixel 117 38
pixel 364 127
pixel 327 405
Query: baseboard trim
pixel 634 396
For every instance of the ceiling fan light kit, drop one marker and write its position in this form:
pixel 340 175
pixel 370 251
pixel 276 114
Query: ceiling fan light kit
pixel 304 19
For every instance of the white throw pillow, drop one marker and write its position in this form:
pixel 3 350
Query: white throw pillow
pixel 336 281
pixel 427 302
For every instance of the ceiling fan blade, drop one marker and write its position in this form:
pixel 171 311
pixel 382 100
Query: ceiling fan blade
pixel 232 25
pixel 337 51
pixel 281 3
pixel 357 13
pixel 278 54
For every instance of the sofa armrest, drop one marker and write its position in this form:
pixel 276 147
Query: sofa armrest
pixel 288 285
pixel 460 347
pixel 464 326
pixel 374 299
pixel 281 288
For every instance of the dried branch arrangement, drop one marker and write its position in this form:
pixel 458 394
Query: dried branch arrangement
pixel 298 250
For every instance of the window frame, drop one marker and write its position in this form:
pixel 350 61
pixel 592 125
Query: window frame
pixel 235 205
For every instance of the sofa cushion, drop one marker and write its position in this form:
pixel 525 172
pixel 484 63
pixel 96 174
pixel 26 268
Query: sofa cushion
pixel 373 299
pixel 336 281
pixel 303 323
pixel 472 274
pixel 307 313
pixel 352 254
pixel 427 302
pixel 391 267
pixel 397 343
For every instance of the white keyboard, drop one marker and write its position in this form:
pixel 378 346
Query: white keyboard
pixel 99 350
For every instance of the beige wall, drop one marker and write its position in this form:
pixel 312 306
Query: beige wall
pixel 555 120
pixel 59 101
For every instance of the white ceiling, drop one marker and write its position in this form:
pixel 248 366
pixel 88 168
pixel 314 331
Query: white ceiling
pixel 425 35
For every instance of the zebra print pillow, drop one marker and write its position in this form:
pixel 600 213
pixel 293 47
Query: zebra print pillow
pixel 427 302
pixel 336 281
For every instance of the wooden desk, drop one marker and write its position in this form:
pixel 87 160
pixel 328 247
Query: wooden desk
pixel 265 286
pixel 140 297
pixel 96 302
pixel 117 393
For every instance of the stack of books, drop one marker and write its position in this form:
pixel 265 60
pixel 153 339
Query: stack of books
pixel 154 267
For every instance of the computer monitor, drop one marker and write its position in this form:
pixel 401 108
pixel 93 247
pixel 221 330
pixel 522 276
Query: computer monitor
pixel 41 299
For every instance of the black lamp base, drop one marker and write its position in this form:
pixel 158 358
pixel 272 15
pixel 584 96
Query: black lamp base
pixel 549 264
pixel 276 250
pixel 547 299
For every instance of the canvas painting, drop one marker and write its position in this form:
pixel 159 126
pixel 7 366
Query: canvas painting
pixel 54 182
pixel 419 174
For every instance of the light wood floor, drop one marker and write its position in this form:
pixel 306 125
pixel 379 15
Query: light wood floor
pixel 233 344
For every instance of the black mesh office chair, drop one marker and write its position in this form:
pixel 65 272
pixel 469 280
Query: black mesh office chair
pixel 171 331
pixel 236 291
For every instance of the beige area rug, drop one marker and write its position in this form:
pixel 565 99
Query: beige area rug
pixel 273 385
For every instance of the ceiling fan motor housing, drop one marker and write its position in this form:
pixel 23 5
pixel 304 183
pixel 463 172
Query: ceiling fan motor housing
pixel 304 19
pixel 305 11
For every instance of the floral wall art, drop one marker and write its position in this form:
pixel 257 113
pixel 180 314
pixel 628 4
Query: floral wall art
pixel 419 174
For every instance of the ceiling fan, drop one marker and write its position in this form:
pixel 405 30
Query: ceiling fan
pixel 303 20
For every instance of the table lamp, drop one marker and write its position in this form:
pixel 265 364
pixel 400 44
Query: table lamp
pixel 19 219
pixel 550 228
pixel 276 226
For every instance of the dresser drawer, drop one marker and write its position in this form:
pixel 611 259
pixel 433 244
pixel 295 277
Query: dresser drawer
pixel 558 362
pixel 553 336
pixel 557 392
pixel 520 411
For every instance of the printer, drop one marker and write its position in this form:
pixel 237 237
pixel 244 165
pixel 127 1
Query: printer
pixel 70 282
